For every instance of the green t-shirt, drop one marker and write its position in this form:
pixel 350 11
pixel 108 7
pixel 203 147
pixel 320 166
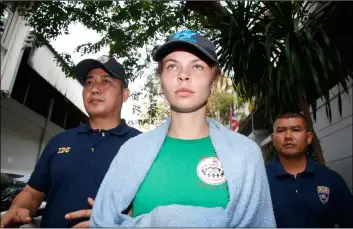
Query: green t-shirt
pixel 185 172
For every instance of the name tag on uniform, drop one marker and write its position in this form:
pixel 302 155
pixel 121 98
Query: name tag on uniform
pixel 64 150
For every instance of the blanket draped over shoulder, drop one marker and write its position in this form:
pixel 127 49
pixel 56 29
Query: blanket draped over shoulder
pixel 249 203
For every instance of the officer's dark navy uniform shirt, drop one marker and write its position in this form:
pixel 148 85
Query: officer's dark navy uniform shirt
pixel 72 167
pixel 317 197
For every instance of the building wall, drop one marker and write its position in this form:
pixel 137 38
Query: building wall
pixel 43 61
pixel 21 129
pixel 12 51
pixel 336 136
pixel 258 136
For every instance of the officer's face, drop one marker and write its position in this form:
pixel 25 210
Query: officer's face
pixel 290 137
pixel 103 95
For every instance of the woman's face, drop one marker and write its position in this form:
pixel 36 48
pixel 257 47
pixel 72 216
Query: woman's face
pixel 186 81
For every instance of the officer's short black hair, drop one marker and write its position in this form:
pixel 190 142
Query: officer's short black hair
pixel 294 115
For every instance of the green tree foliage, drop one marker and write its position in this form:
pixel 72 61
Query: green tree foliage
pixel 126 27
pixel 154 108
pixel 222 99
pixel 276 52
pixel 293 55
pixel 280 54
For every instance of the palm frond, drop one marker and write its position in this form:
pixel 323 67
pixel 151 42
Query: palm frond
pixel 278 52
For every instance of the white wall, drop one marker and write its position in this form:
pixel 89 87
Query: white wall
pixel 258 136
pixel 336 137
pixel 3 53
pixel 21 129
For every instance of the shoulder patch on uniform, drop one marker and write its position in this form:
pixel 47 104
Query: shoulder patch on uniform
pixel 324 193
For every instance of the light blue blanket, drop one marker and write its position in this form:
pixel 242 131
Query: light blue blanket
pixel 249 204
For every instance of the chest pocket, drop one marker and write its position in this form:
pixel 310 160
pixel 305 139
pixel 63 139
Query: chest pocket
pixel 65 165
pixel 321 202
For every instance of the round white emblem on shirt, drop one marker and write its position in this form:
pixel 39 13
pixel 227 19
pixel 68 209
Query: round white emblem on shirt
pixel 210 171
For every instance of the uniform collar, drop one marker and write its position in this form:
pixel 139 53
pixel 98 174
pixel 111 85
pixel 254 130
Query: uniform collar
pixel 280 171
pixel 121 129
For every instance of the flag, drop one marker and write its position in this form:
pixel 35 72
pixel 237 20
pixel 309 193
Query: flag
pixel 233 123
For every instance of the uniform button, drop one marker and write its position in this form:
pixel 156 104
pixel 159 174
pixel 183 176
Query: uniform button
pixel 296 191
pixel 103 134
pixel 93 150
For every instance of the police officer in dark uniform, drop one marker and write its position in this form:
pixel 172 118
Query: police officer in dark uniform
pixel 74 162
pixel 304 193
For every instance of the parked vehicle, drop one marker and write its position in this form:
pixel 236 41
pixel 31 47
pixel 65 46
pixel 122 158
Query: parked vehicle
pixel 11 185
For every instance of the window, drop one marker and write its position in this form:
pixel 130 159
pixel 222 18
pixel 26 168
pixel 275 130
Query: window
pixel 7 11
pixel 59 112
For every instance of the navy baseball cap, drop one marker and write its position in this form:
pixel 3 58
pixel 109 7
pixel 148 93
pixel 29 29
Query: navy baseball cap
pixel 188 40
pixel 108 64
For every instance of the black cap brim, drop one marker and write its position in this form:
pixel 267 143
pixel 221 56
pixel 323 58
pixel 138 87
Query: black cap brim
pixel 85 66
pixel 170 46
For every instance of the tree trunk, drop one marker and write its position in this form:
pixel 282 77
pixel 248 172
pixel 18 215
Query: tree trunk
pixel 213 10
pixel 315 143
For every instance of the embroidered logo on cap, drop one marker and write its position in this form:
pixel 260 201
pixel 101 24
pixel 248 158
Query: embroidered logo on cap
pixel 185 35
pixel 103 59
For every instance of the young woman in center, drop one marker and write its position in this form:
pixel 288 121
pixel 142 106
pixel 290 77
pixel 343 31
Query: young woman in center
pixel 190 171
